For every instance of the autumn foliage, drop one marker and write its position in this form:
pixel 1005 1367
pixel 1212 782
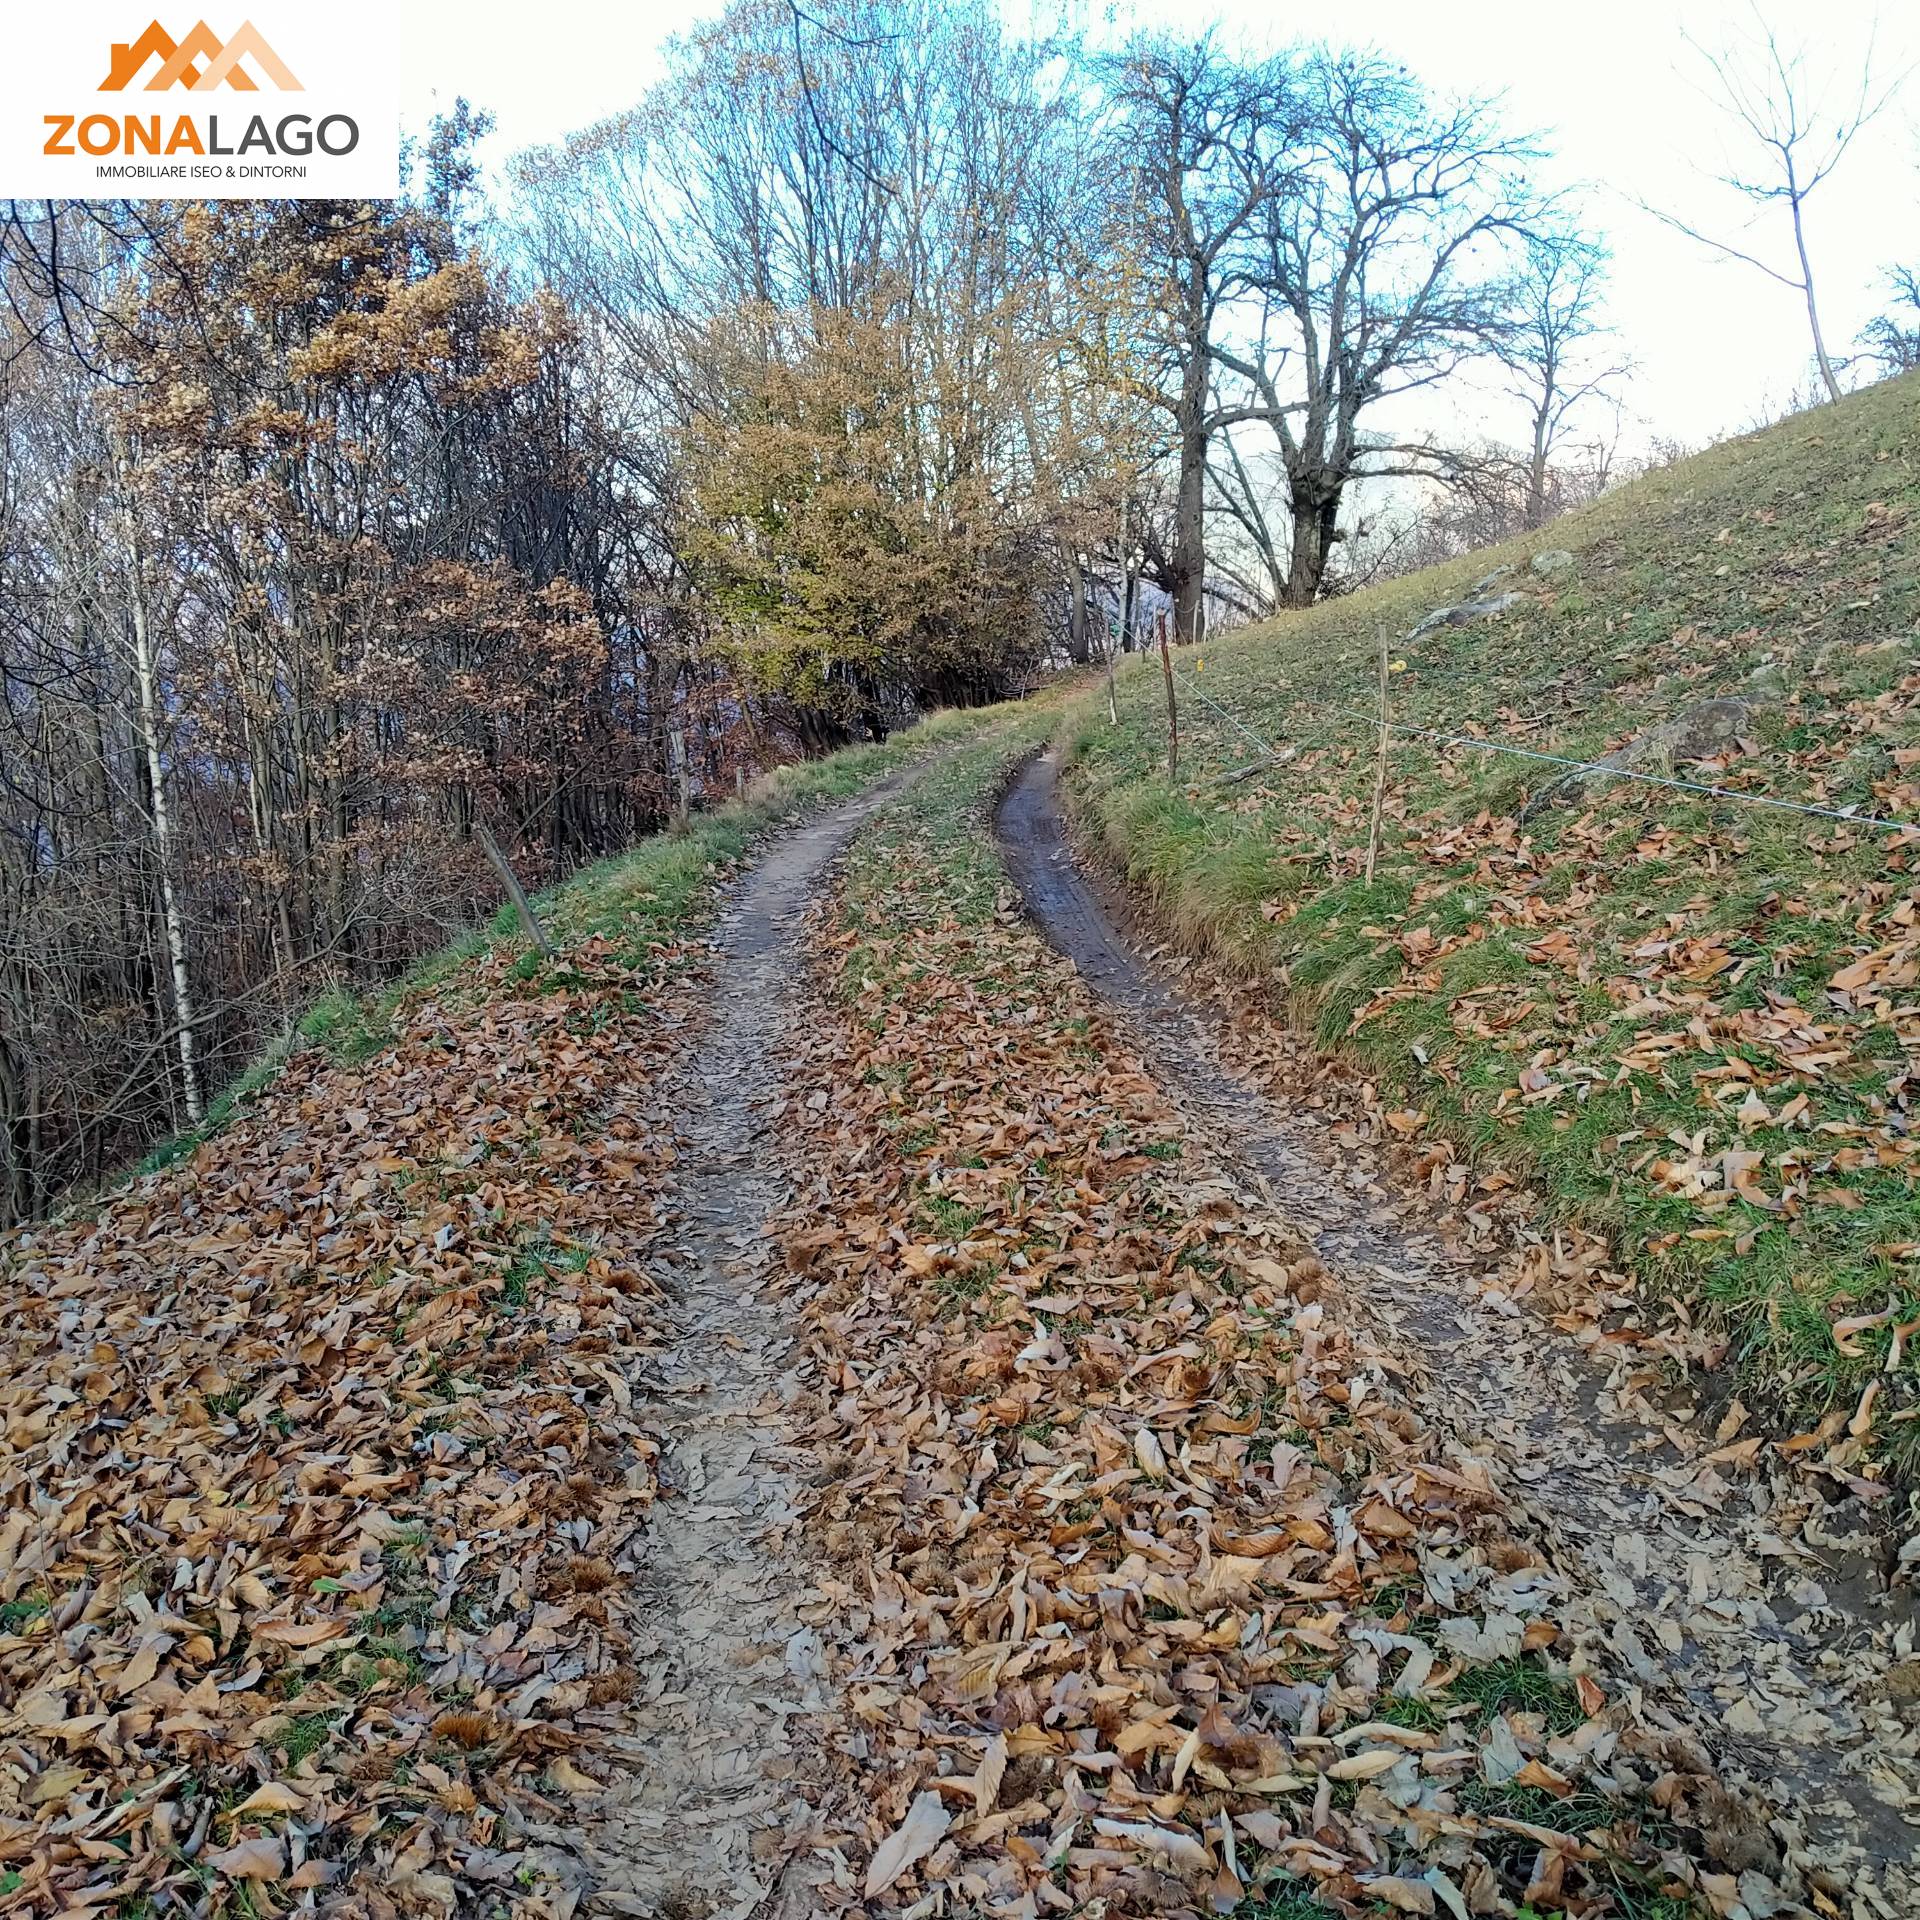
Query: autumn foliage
pixel 310 576
pixel 318 1452
pixel 835 577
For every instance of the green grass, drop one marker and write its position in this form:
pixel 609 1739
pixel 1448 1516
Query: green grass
pixel 1521 1684
pixel 947 1218
pixel 1796 550
pixel 21 1612
pixel 408 1602
pixel 1632 1883
pixel 362 1669
pixel 1281 1903
pixel 305 1735
pixel 405 1548
pixel 259 1076
pixel 532 1264
pixel 1402 1710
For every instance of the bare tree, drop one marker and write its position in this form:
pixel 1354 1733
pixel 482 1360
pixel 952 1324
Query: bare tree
pixel 1551 346
pixel 1205 138
pixel 1484 498
pixel 148 710
pixel 1769 93
pixel 1244 495
pixel 1892 338
pixel 1383 269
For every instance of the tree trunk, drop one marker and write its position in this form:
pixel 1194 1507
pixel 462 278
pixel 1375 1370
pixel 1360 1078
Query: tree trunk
pixel 1307 559
pixel 148 722
pixel 1173 705
pixel 1537 473
pixel 1079 648
pixel 17 1157
pixel 510 881
pixel 677 745
pixel 1806 283
pixel 260 817
pixel 1189 562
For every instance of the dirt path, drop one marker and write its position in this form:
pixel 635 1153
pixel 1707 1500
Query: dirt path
pixel 727 1663
pixel 1748 1608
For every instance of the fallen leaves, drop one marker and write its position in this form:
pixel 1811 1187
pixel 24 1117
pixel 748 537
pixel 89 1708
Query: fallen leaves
pixel 1148 1453
pixel 1689 1014
pixel 260 1859
pixel 1150 1589
pixel 908 1844
pixel 304 1447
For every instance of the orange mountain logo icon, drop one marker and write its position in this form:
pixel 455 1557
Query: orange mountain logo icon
pixel 179 61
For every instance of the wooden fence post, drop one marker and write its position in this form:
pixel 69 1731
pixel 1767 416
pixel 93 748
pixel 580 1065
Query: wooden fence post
pixel 522 906
pixel 1379 772
pixel 677 751
pixel 1173 710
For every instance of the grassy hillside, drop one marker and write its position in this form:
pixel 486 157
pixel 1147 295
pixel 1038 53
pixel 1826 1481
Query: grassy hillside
pixel 1693 1021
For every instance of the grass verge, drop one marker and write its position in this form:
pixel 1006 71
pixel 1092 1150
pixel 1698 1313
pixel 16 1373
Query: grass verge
pixel 1688 1022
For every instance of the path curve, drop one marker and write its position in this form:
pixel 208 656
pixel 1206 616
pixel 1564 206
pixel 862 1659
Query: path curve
pixel 1795 1667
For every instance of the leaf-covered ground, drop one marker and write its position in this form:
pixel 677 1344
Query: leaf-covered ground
pixel 330 1483
pixel 322 1478
pixel 1690 1023
pixel 1152 1594
pixel 318 1458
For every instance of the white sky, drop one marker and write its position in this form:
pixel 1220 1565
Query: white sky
pixel 1717 345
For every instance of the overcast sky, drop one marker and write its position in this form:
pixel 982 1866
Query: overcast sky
pixel 1717 345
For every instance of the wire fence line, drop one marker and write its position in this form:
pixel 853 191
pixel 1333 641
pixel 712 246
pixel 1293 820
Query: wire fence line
pixel 1705 789
pixel 1265 746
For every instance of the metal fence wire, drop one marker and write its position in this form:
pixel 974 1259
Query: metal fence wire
pixel 1703 788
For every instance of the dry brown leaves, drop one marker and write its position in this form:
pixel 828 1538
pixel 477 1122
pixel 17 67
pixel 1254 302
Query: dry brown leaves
pixel 1149 1588
pixel 318 1467
pixel 1760 1071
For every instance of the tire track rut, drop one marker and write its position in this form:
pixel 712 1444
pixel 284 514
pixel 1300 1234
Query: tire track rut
pixel 1771 1634
pixel 718 1774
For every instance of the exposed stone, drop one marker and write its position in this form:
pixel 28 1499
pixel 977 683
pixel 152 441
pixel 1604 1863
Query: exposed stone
pixel 1903 1680
pixel 1700 732
pixel 1467 612
pixel 1551 560
pixel 1479 588
pixel 1697 734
